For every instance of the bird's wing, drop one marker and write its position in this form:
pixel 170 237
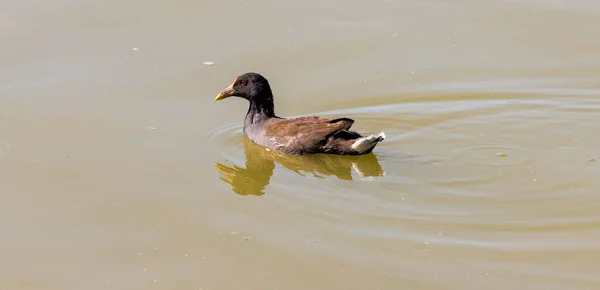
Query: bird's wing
pixel 304 134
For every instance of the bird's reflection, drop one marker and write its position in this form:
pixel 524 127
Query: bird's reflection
pixel 260 163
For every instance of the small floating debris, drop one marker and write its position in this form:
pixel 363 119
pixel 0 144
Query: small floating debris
pixel 501 154
pixel 152 128
pixel 247 238
pixel 209 63
pixel 592 159
pixel 135 49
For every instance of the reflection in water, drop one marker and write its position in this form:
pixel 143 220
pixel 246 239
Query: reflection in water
pixel 260 164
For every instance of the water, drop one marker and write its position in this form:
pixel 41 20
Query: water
pixel 120 171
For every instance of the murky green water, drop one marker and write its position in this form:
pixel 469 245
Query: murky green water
pixel 119 171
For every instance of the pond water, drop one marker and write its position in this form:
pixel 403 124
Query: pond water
pixel 118 170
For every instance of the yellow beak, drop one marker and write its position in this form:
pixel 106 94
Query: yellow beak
pixel 226 93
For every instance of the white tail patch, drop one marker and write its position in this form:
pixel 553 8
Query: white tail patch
pixel 365 143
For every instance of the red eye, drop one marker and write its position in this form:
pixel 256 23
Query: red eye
pixel 244 82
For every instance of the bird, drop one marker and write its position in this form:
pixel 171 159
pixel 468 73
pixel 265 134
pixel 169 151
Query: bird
pixel 295 136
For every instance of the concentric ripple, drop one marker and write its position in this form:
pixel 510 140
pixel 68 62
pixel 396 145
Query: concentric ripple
pixel 467 165
pixel 227 140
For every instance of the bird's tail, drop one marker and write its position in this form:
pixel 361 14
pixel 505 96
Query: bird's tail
pixel 366 144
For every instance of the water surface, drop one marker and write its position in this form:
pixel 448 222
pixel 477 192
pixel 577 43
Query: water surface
pixel 119 171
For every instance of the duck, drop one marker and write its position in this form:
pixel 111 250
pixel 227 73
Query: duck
pixel 295 136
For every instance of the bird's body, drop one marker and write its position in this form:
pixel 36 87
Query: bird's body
pixel 302 135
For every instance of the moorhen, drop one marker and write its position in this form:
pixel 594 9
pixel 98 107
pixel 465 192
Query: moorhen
pixel 302 135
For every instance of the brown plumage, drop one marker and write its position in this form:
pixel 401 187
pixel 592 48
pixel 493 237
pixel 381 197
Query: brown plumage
pixel 303 135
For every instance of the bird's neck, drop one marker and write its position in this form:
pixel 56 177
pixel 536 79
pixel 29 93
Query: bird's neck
pixel 260 111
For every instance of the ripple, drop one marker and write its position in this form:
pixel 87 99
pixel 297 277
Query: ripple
pixel 457 164
pixel 227 140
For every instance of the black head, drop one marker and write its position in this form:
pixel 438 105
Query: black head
pixel 250 86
